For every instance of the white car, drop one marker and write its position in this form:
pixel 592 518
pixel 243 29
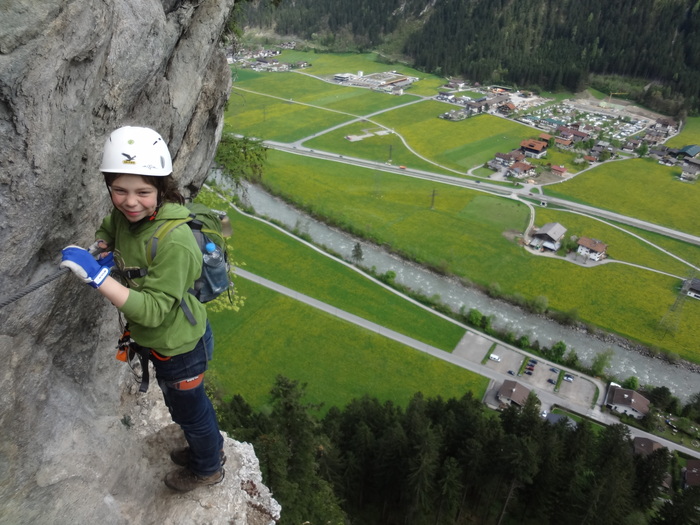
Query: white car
pixel 494 357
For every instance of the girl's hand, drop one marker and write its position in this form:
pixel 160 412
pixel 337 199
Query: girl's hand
pixel 98 246
pixel 83 264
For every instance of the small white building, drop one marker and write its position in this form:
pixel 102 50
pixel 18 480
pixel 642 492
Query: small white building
pixel 591 248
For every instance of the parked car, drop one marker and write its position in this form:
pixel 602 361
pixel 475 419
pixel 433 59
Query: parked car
pixel 568 378
pixel 552 381
pixel 511 372
pixel 530 367
pixel 494 357
pixel 528 372
pixel 533 361
pixel 555 370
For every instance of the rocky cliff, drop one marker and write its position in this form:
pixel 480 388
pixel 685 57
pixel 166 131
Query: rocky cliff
pixel 78 444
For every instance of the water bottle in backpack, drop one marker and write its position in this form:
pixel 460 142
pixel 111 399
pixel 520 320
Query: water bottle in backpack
pixel 216 272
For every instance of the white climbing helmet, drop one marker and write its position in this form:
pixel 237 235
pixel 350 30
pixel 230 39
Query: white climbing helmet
pixel 136 151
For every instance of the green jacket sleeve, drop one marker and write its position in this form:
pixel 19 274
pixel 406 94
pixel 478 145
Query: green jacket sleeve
pixel 106 230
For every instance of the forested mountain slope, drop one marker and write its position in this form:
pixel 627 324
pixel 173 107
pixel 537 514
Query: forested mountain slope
pixel 546 44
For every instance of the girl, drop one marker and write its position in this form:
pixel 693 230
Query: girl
pixel 137 168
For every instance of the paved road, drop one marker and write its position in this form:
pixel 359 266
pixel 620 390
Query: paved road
pixel 547 398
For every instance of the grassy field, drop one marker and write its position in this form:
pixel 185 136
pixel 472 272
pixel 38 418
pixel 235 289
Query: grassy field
pixel 268 118
pixel 621 246
pixel 687 252
pixel 558 157
pixel 377 147
pixel 254 345
pixel 690 134
pixel 273 334
pixel 638 188
pixel 299 87
pixel 464 234
pixel 326 64
pixel 458 145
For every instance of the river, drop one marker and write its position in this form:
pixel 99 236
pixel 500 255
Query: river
pixel 625 363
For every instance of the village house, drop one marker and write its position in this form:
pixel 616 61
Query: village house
pixel 693 288
pixel 631 145
pixel 499 100
pixel 505 160
pixel 551 123
pixel 626 401
pixel 666 126
pixel 572 134
pixel 534 148
pixel 478 105
pixel 591 248
pixel 455 83
pixel 563 143
pixel 554 419
pixel 645 446
pixel 688 152
pixel 658 151
pixel 691 473
pixel 512 393
pixel 653 136
pixel 558 170
pixel 507 108
pixel 691 170
pixel 548 237
pixel 521 170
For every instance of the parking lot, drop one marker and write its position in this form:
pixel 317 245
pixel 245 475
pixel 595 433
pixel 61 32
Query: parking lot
pixel 475 348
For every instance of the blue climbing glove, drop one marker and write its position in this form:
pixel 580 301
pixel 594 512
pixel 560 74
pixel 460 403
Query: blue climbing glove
pixel 85 266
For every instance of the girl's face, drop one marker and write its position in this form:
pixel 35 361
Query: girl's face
pixel 134 197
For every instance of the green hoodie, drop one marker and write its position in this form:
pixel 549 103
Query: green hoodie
pixel 152 309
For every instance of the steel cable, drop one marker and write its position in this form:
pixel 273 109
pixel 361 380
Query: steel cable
pixel 29 289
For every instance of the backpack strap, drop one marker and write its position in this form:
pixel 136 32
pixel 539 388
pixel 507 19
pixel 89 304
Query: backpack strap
pixel 152 247
pixel 162 230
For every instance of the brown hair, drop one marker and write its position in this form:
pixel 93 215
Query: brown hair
pixel 166 186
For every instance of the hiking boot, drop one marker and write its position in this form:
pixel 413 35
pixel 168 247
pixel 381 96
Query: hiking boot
pixel 181 456
pixel 184 480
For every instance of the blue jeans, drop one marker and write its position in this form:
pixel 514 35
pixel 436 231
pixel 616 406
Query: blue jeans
pixel 192 409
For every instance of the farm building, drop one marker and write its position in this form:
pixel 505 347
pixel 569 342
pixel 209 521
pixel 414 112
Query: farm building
pixel 549 236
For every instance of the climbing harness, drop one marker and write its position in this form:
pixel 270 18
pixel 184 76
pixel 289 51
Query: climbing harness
pixel 128 349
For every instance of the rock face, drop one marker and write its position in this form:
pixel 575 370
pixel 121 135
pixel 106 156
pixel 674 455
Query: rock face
pixel 77 445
